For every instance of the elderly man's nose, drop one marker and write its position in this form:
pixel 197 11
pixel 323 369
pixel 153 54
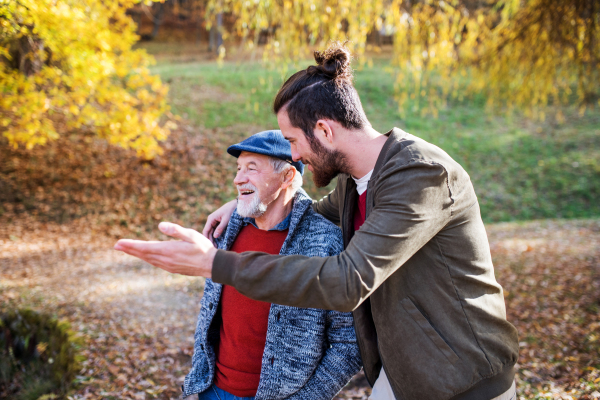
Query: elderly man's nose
pixel 240 178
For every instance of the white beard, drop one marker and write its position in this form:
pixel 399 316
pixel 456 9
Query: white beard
pixel 253 208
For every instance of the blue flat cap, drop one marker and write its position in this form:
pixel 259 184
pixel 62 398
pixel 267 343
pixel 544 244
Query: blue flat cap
pixel 270 143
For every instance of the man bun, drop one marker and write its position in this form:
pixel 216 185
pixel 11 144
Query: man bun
pixel 334 63
pixel 322 91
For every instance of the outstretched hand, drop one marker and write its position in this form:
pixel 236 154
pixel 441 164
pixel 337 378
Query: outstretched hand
pixel 192 255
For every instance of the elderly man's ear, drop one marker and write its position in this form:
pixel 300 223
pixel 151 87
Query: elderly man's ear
pixel 288 177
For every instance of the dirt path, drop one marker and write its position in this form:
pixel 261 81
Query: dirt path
pixel 138 321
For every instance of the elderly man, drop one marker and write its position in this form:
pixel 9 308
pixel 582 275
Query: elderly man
pixel 251 349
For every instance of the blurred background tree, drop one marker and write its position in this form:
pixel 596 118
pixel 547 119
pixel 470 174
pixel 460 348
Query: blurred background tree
pixel 79 70
pixel 68 67
pixel 523 54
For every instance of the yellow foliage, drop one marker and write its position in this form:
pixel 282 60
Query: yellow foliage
pixel 300 25
pixel 536 52
pixel 68 66
pixel 522 54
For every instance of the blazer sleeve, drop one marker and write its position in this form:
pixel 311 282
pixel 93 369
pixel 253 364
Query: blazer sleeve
pixel 328 206
pixel 413 203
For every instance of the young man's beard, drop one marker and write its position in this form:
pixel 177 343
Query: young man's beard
pixel 326 164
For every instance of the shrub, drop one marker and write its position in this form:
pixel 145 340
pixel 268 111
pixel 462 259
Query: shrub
pixel 38 355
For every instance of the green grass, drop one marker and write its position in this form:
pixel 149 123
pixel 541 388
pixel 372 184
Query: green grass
pixel 520 169
pixel 213 96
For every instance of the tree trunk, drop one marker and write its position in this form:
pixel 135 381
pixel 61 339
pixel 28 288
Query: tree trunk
pixel 215 39
pixel 219 31
pixel 158 19
pixel 30 55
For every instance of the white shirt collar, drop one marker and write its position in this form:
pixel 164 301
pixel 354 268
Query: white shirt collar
pixel 361 183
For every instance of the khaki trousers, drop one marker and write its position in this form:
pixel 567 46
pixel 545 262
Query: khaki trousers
pixel 383 391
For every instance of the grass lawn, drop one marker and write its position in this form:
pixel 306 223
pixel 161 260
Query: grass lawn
pixel 521 169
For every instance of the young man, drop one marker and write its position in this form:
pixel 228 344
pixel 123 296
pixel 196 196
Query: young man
pixel 251 349
pixel 416 270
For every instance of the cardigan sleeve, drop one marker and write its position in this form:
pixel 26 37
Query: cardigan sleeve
pixel 340 362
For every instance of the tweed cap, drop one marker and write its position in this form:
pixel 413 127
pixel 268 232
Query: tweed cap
pixel 270 143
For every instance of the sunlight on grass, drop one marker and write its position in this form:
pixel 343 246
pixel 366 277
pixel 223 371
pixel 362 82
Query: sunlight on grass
pixel 520 169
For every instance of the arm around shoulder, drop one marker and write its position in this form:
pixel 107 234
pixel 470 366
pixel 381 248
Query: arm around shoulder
pixel 412 204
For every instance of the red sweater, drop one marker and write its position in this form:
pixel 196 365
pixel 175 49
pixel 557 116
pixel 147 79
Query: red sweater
pixel 360 211
pixel 243 332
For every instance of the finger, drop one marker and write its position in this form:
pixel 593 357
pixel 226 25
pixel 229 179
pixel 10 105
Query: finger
pixel 212 240
pixel 178 231
pixel 158 260
pixel 222 226
pixel 137 250
pixel 218 230
pixel 150 247
pixel 147 257
pixel 209 228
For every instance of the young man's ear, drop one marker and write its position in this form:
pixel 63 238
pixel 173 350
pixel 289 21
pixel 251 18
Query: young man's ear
pixel 324 131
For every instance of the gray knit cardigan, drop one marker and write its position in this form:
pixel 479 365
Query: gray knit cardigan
pixel 310 354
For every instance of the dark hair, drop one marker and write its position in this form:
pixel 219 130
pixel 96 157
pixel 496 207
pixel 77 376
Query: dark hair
pixel 322 91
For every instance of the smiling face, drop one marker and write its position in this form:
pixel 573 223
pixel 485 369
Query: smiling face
pixel 325 164
pixel 257 183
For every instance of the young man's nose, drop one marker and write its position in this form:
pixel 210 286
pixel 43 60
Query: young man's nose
pixel 295 155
